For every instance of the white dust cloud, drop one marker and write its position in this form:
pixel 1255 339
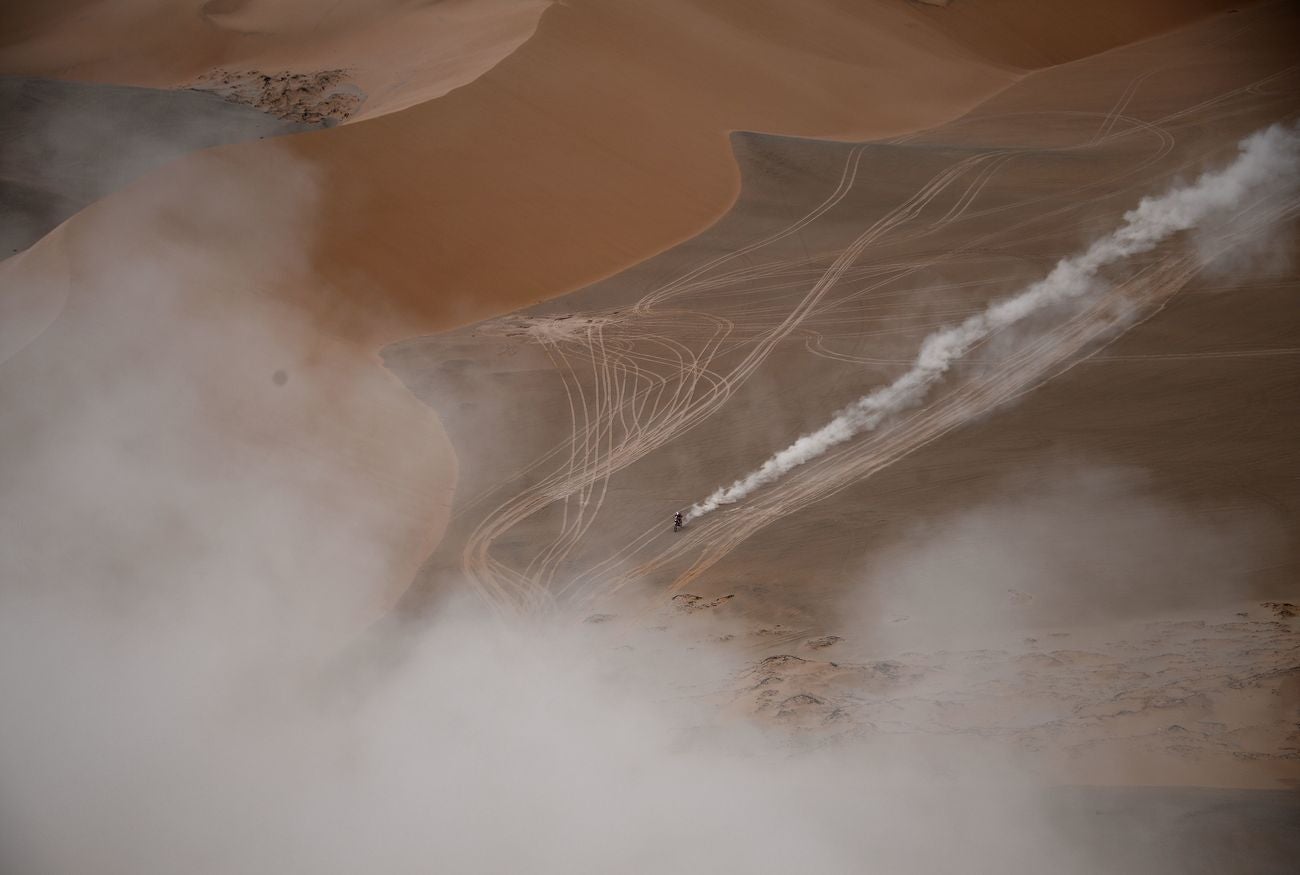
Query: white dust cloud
pixel 1266 166
pixel 1069 545
pixel 185 683
pixel 185 688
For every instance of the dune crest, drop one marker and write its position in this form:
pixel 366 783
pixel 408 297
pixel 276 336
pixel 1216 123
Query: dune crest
pixel 395 52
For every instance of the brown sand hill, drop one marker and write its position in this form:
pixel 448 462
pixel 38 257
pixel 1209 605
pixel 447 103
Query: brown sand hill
pixel 604 138
pixel 601 140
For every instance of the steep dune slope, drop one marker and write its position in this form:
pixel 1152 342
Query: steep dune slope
pixel 603 138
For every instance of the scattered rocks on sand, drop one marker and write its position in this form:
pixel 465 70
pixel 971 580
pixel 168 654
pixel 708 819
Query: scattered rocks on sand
pixel 686 601
pixel 793 705
pixel 781 659
pixel 324 97
pixel 1179 693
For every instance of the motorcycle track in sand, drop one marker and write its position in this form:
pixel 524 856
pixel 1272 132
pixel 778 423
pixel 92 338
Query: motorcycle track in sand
pixel 639 372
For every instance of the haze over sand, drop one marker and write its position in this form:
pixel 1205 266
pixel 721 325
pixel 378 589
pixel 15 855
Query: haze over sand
pixel 53 160
pixel 233 389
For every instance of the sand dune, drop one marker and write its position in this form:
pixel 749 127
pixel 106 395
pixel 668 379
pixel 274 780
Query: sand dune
pixel 604 138
pixel 600 140
pixel 1154 477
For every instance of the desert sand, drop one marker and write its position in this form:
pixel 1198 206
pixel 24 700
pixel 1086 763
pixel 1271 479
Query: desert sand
pixel 472 296
pixel 648 389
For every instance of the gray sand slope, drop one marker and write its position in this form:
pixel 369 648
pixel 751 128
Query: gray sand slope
pixel 64 145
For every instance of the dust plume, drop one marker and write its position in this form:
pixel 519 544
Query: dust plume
pixel 1266 167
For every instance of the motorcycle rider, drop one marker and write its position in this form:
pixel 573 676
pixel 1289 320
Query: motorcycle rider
pixel 677 521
